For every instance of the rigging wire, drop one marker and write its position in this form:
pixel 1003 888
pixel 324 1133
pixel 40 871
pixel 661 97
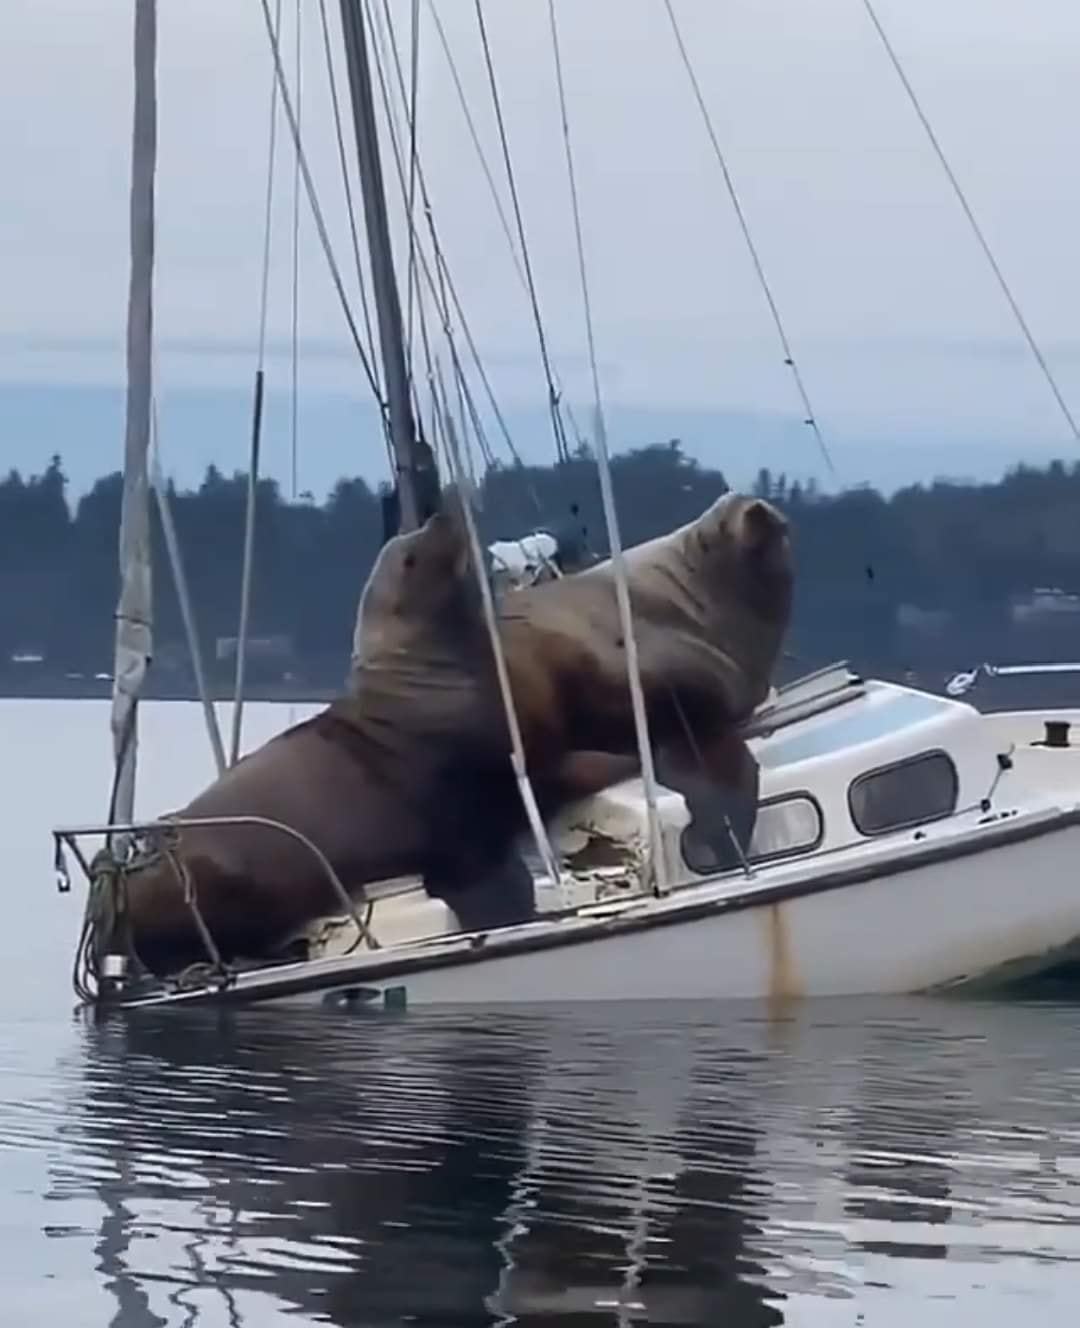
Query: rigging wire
pixel 976 228
pixel 248 565
pixel 295 306
pixel 809 417
pixel 388 40
pixel 353 228
pixel 459 392
pixel 641 725
pixel 517 747
pixel 376 19
pixel 384 38
pixel 444 287
pixel 493 402
pixel 295 302
pixel 485 447
pixel 316 211
pixel 268 208
pixel 449 427
pixel 445 284
pixel 414 72
pixel 575 206
pixel 493 189
pixel 561 449
pixel 160 487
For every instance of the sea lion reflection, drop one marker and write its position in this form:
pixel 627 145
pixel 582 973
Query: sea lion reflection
pixel 367 1170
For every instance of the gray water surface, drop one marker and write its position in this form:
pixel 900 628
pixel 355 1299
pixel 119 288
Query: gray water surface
pixel 888 1162
pixel 893 1163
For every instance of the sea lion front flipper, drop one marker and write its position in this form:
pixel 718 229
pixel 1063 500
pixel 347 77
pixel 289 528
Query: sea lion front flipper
pixel 720 782
pixel 501 896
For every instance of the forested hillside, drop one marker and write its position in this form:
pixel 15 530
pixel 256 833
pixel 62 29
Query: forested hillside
pixel 933 577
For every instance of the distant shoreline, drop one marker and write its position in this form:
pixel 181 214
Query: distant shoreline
pixel 84 689
pixel 991 694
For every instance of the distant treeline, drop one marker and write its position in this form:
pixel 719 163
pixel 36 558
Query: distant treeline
pixel 933 577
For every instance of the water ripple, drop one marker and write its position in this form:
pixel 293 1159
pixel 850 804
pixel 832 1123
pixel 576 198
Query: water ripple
pixel 685 1165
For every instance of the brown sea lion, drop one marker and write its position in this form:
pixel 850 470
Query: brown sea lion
pixel 409 773
pixel 711 602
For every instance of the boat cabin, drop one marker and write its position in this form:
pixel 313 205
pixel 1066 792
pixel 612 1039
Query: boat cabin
pixel 886 759
pixel 843 761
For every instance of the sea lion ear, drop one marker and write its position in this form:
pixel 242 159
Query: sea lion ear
pixel 759 524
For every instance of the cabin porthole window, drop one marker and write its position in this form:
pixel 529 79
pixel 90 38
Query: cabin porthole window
pixel 907 793
pixel 785 826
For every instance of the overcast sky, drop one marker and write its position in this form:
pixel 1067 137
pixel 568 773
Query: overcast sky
pixel 897 323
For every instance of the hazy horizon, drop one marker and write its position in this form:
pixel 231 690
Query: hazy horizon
pixel 913 363
pixel 340 438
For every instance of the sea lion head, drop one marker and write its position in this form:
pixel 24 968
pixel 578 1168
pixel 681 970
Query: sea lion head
pixel 732 581
pixel 422 583
pixel 741 546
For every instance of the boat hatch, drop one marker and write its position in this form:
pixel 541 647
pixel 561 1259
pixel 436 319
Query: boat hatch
pixel 881 711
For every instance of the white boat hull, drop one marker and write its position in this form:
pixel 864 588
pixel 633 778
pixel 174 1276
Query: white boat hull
pixel 950 919
pixel 976 888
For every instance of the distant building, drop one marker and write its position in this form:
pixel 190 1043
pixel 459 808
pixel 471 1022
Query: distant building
pixel 1044 604
pixel 267 649
pixel 923 622
pixel 268 659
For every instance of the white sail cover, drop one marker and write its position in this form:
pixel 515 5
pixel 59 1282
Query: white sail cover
pixel 133 617
pixel 524 561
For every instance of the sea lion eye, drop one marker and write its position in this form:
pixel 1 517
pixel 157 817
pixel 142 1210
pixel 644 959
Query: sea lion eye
pixel 410 561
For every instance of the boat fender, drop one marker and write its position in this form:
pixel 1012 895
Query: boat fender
pixel 114 971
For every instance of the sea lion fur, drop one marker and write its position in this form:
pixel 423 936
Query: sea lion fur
pixel 409 773
pixel 711 602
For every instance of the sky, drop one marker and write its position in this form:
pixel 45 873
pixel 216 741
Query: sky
pixel 913 362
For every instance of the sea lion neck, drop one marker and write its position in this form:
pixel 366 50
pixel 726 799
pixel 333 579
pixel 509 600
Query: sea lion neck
pixel 449 651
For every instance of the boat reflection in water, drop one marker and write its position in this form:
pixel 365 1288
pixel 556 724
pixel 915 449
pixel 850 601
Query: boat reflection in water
pixel 588 1166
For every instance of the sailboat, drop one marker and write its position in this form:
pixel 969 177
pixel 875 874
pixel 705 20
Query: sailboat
pixel 903 842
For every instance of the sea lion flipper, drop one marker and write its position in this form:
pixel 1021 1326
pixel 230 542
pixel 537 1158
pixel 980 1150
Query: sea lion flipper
pixel 720 781
pixel 499 897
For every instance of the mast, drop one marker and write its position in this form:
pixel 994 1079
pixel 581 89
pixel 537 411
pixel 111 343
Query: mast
pixel 417 478
pixel 134 611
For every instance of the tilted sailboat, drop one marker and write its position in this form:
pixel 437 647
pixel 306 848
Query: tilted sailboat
pixel 902 841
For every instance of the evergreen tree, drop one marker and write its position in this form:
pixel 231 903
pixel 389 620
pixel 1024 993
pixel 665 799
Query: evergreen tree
pixel 867 566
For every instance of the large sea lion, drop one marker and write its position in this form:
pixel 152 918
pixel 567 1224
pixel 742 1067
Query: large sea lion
pixel 409 773
pixel 711 602
pixel 406 775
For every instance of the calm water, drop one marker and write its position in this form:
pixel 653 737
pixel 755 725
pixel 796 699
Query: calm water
pixel 879 1163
